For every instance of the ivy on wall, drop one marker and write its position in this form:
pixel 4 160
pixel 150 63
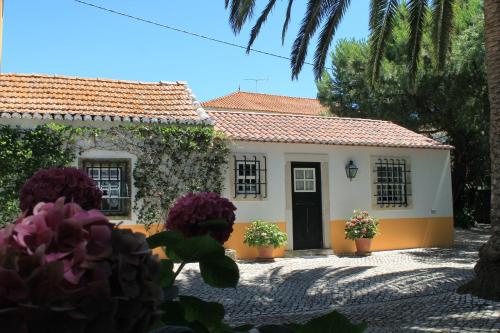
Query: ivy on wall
pixel 22 153
pixel 171 160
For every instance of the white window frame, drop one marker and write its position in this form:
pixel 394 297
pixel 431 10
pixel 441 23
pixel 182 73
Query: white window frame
pixel 399 190
pixel 304 180
pixel 247 186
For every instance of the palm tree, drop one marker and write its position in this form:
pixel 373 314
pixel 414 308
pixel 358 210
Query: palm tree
pixel 326 16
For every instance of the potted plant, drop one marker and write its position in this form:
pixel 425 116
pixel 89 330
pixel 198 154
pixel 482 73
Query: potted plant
pixel 266 237
pixel 361 228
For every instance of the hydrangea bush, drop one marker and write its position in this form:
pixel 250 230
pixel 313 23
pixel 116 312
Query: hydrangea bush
pixel 47 185
pixel 64 269
pixel 197 214
pixel 361 225
pixel 261 233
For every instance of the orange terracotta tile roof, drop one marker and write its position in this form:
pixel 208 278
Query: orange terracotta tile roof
pixel 247 101
pixel 45 96
pixel 265 127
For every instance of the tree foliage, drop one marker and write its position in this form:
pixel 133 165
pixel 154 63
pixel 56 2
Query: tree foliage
pixel 450 104
pixel 326 15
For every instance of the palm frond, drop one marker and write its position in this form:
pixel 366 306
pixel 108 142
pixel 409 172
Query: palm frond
pixel 417 10
pixel 312 19
pixel 382 14
pixel 287 20
pixel 240 11
pixel 262 18
pixel 335 14
pixel 442 24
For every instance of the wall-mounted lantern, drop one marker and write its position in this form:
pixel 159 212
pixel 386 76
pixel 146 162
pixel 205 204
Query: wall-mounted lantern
pixel 351 170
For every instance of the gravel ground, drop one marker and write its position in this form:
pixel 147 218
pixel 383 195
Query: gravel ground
pixel 393 291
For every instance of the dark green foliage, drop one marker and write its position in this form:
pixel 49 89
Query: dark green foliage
pixel 25 151
pixel 451 104
pixel 171 160
pixel 190 314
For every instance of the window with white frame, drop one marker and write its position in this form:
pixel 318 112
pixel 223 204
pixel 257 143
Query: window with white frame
pixel 392 182
pixel 113 178
pixel 250 176
pixel 304 180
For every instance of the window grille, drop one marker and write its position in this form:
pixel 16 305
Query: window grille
pixel 113 178
pixel 392 182
pixel 250 176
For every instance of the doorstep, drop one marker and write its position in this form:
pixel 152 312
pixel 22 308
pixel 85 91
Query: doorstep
pixel 308 253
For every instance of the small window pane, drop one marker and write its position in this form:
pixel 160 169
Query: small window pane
pixel 112 177
pixel 310 185
pixel 391 182
pixel 309 174
pixel 299 185
pixel 248 172
pixel 299 174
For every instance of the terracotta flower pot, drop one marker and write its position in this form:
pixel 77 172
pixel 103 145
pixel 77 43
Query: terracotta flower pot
pixel 265 252
pixel 363 246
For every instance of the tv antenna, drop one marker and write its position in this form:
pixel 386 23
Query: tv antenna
pixel 257 82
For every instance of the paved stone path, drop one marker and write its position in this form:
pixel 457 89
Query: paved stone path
pixel 393 291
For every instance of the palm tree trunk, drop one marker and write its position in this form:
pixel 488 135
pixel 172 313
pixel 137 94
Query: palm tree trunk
pixel 486 283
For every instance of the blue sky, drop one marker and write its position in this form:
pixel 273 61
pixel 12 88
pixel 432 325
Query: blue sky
pixel 66 38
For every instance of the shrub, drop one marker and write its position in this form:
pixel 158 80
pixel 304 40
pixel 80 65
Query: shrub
pixel 50 184
pixel 361 225
pixel 197 214
pixel 65 270
pixel 262 233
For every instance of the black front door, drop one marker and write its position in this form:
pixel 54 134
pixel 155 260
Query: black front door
pixel 306 205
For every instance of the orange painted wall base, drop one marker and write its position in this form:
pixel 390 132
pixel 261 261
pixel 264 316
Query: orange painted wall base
pixel 401 233
pixel 235 242
pixel 404 233
pixel 244 251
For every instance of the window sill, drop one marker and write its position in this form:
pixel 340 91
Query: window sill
pixel 249 198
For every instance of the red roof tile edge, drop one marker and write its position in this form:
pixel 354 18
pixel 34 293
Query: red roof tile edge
pixel 435 144
pixel 198 111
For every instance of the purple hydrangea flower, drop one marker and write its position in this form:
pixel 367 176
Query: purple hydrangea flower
pixel 48 185
pixel 194 208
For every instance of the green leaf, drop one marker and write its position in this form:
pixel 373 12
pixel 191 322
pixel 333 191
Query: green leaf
pixel 332 322
pixel 170 293
pixel 242 328
pixel 173 312
pixel 213 224
pixel 210 314
pixel 164 239
pixel 277 329
pixel 220 272
pixel 173 329
pixel 166 272
pixel 197 249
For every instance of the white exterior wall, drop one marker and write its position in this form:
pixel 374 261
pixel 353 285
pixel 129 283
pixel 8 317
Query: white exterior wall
pixel 430 178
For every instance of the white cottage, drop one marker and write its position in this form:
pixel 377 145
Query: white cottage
pixel 288 163
pixel 296 168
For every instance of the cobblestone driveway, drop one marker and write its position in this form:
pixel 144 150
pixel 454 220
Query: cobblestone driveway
pixel 394 291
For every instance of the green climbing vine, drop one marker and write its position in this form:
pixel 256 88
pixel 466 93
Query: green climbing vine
pixel 171 159
pixel 24 151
